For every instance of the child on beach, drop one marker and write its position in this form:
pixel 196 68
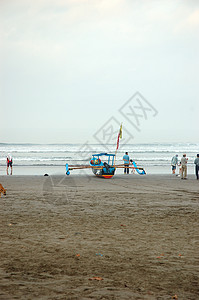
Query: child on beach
pixel 133 170
pixel 180 169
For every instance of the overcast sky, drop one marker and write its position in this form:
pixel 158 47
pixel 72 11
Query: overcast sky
pixel 68 66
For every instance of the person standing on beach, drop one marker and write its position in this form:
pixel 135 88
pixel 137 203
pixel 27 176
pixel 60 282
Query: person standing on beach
pixel 174 162
pixel 9 163
pixel 126 160
pixel 180 169
pixel 196 162
pixel 131 163
pixel 184 160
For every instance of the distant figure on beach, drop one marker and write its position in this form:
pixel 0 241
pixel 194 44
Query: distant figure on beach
pixel 9 163
pixel 133 170
pixel 196 162
pixel 126 160
pixel 184 160
pixel 174 162
pixel 180 169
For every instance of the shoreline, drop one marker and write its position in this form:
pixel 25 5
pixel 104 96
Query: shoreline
pixel 60 170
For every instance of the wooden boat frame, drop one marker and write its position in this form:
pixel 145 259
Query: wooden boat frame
pixel 104 169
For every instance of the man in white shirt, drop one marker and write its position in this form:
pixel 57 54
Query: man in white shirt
pixel 184 160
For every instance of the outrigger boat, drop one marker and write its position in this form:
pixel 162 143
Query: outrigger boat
pixel 105 169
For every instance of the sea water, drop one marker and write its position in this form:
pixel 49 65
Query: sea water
pixel 37 159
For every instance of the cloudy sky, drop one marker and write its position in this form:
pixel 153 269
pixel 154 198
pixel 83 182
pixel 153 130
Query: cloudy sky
pixel 68 66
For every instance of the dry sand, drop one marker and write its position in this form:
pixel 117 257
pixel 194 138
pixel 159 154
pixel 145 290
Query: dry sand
pixel 138 233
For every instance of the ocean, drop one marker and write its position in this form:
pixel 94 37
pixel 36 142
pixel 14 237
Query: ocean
pixel 38 159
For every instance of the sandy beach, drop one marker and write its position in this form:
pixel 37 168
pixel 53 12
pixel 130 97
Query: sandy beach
pixel 80 237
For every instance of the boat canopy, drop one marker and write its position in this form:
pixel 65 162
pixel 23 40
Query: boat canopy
pixel 110 158
pixel 101 154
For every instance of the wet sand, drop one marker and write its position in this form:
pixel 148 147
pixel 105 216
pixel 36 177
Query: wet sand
pixel 139 234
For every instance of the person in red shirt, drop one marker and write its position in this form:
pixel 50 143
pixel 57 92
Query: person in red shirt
pixel 9 163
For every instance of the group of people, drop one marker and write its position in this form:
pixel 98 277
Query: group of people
pixel 183 166
pixel 174 163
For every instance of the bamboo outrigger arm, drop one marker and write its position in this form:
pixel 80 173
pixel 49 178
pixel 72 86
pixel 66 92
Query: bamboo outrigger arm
pixel 129 167
pixel 81 167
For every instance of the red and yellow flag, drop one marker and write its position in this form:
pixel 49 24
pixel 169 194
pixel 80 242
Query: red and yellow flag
pixel 119 137
pixel 120 131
